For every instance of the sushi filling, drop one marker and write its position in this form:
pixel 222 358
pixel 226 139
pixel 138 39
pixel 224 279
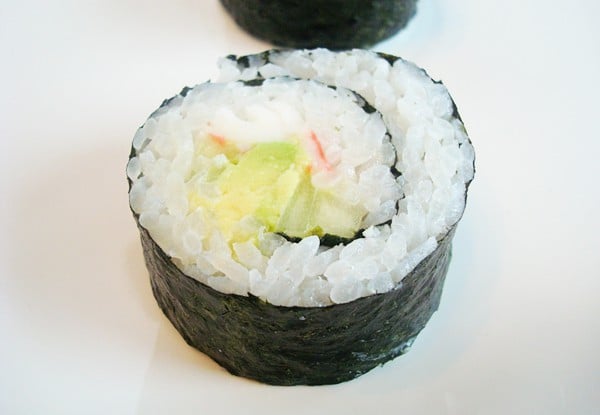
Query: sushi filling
pixel 271 184
pixel 243 182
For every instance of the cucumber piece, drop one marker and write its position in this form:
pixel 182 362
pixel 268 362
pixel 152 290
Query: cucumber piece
pixel 316 212
pixel 277 198
pixel 335 216
pixel 295 220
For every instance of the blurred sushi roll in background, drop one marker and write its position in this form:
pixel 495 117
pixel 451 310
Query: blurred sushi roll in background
pixel 297 213
pixel 334 24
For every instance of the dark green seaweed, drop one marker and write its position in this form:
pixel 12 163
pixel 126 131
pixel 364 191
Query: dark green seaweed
pixel 327 239
pixel 297 345
pixel 389 58
pixel 334 24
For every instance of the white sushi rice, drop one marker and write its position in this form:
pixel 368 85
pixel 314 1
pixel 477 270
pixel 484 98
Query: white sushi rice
pixel 432 152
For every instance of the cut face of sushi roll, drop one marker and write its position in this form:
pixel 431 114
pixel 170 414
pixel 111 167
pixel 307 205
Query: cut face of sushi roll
pixel 335 24
pixel 297 214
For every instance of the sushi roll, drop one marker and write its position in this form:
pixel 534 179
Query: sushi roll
pixel 335 24
pixel 297 214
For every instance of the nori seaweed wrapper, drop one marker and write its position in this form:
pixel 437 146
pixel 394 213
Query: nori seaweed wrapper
pixel 335 24
pixel 297 345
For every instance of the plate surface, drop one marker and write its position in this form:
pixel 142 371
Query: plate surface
pixel 517 330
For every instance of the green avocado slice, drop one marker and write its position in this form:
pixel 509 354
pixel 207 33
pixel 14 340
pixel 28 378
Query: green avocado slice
pixel 259 185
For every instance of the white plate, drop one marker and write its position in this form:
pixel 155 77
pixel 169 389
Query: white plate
pixel 517 331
